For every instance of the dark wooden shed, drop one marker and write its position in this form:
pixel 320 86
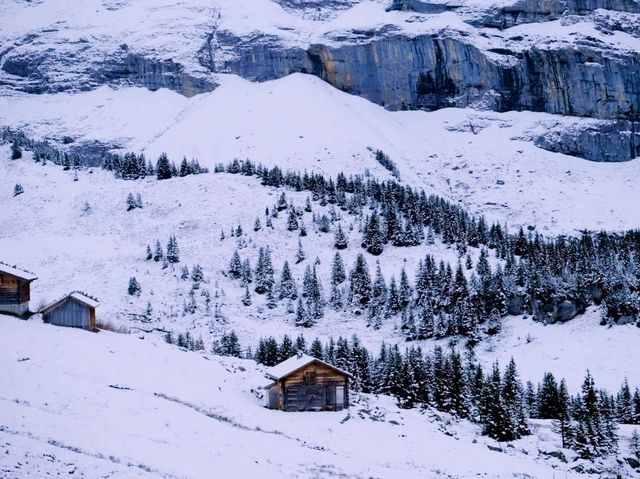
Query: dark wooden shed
pixel 15 289
pixel 305 383
pixel 75 310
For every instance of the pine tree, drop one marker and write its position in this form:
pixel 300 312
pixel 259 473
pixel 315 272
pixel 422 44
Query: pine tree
pixel 634 444
pixel 163 167
pixel 134 288
pixel 139 203
pixel 149 254
pixel 292 221
pixel 378 299
pixel 184 273
pixel 316 349
pixel 340 239
pixel 173 251
pixel 264 272
pixel 131 202
pixel 302 318
pixel 158 255
pixel 18 189
pixel 287 349
pixel 287 287
pixel 16 151
pixel 246 299
pixel 372 238
pixel 360 283
pixel 624 404
pixel 562 425
pixel 513 396
pixel 235 266
pixel 300 256
pixel 548 400
pixel 256 225
pixel 247 276
pixel 227 345
pixel 405 293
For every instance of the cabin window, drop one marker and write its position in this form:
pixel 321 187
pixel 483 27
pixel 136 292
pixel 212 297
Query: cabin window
pixel 310 377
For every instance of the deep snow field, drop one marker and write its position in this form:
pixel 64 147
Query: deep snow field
pixel 112 405
pixel 477 158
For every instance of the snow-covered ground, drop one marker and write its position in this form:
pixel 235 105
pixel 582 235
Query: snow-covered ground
pixel 110 405
pixel 300 122
pixel 50 230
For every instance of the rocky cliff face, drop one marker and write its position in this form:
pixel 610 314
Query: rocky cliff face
pixel 437 71
pixel 583 59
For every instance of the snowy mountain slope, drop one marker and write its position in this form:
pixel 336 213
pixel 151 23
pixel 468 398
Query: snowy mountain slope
pixel 93 404
pixel 300 122
pixel 98 249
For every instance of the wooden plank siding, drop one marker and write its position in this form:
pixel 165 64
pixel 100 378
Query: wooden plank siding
pixel 297 395
pixel 12 290
pixel 72 313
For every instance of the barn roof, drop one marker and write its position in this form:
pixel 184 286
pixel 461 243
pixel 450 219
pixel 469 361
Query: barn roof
pixel 78 296
pixel 18 273
pixel 293 364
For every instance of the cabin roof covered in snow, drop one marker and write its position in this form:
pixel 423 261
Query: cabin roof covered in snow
pixel 293 364
pixel 78 296
pixel 18 273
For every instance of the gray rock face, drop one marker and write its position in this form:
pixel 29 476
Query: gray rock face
pixel 436 71
pixel 36 70
pixel 599 141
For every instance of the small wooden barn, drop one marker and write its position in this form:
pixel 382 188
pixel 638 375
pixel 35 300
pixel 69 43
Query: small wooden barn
pixel 305 383
pixel 15 289
pixel 75 310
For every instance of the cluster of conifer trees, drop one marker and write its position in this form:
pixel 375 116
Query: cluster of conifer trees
pixel 447 381
pixel 551 278
pixel 132 167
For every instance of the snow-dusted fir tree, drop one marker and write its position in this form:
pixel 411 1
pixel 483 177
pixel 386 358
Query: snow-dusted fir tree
pixel 235 266
pixel 134 288
pixel 360 282
pixel 263 272
pixel 287 287
pixel 173 251
pixel 340 238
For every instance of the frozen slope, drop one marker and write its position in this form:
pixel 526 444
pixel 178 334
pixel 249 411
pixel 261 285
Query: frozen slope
pixel 108 405
pixel 300 122
pixel 49 230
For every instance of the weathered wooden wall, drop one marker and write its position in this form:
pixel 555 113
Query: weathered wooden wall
pixel 299 396
pixel 12 290
pixel 71 313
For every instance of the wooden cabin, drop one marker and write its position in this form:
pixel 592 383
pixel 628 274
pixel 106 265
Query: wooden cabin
pixel 305 383
pixel 75 310
pixel 15 290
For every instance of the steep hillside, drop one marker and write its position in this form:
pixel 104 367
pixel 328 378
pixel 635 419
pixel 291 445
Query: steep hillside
pixel 480 159
pixel 95 405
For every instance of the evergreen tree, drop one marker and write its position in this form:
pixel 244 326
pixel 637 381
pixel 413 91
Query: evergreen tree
pixel 18 189
pixel 163 167
pixel 548 400
pixel 134 288
pixel 286 349
pixel 16 151
pixel 292 221
pixel 377 304
pixel 624 404
pixel 340 239
pixel 360 283
pixel 372 238
pixel 562 425
pixel 158 255
pixel 634 445
pixel 256 225
pixel 246 299
pixel 287 288
pixel 513 397
pixel 247 275
pixel 264 272
pixel 173 251
pixel 131 202
pixel 235 266
pixel 316 349
pixel 227 345
pixel 300 256
pixel 149 254
pixel 302 318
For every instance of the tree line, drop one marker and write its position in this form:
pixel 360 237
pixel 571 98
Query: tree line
pixel 553 278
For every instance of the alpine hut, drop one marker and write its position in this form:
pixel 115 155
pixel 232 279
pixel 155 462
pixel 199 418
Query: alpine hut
pixel 15 289
pixel 75 310
pixel 305 383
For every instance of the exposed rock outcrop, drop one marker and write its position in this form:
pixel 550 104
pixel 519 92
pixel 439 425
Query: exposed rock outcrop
pixel 436 71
